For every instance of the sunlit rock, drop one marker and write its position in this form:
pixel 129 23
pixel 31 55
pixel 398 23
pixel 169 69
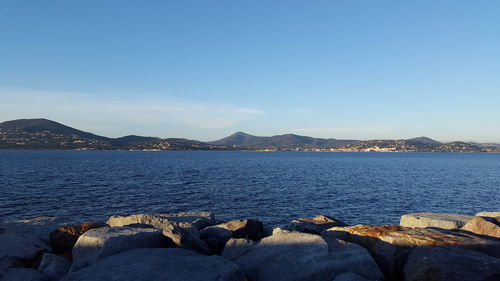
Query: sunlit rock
pixel 106 241
pixel 444 221
pixel 187 219
pixel 315 225
pixel 64 238
pixel 289 255
pixel 487 226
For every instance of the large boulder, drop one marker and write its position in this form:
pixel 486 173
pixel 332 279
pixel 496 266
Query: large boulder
pixel 106 241
pixel 390 245
pixel 54 266
pixel 483 226
pixel 19 250
pixel 23 274
pixel 315 225
pixel 39 227
pixel 216 236
pixel 159 264
pixel 187 219
pixel 289 255
pixel 447 264
pixel 444 221
pixel 64 238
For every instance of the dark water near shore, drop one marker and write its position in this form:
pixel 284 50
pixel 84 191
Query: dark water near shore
pixel 369 188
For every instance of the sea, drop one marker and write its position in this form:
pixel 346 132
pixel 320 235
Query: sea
pixel 274 187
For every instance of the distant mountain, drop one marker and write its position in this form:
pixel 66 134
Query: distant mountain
pixel 47 134
pixel 45 125
pixel 132 139
pixel 287 141
pixel 425 140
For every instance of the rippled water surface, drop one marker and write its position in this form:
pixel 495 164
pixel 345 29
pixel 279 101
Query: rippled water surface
pixel 275 187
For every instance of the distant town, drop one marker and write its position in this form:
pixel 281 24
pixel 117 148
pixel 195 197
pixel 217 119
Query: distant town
pixel 47 134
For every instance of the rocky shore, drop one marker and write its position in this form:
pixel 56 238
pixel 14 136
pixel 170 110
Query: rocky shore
pixel 195 246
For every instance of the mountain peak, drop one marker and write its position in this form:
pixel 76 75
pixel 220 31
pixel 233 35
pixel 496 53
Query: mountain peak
pixel 424 140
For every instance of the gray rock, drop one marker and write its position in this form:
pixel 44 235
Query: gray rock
pixel 19 250
pixel 159 264
pixel 54 266
pixel 447 264
pixel 106 241
pixel 186 238
pixel 315 225
pixel 237 247
pixel 23 274
pixel 300 256
pixel 349 276
pixel 216 236
pixel 188 219
pixel 39 227
pixel 444 221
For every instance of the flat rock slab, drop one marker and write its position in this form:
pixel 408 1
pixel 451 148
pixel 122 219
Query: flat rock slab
pixel 159 264
pixel 488 214
pixel 19 250
pixel 300 256
pixel 390 245
pixel 446 264
pixel 186 220
pixel 487 226
pixel 106 241
pixel 444 221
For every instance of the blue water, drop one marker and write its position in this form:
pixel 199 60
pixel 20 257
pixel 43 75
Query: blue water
pixel 276 187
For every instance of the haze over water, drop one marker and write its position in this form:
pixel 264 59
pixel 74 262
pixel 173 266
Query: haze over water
pixel 368 188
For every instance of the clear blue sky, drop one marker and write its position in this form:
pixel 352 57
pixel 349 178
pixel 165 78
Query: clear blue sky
pixel 205 69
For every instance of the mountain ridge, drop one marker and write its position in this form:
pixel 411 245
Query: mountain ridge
pixel 41 133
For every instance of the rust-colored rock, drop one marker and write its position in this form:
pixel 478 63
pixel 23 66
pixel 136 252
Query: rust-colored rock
pixel 483 226
pixel 64 238
pixel 390 245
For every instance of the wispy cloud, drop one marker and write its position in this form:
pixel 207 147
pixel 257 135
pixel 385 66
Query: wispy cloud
pixel 109 112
